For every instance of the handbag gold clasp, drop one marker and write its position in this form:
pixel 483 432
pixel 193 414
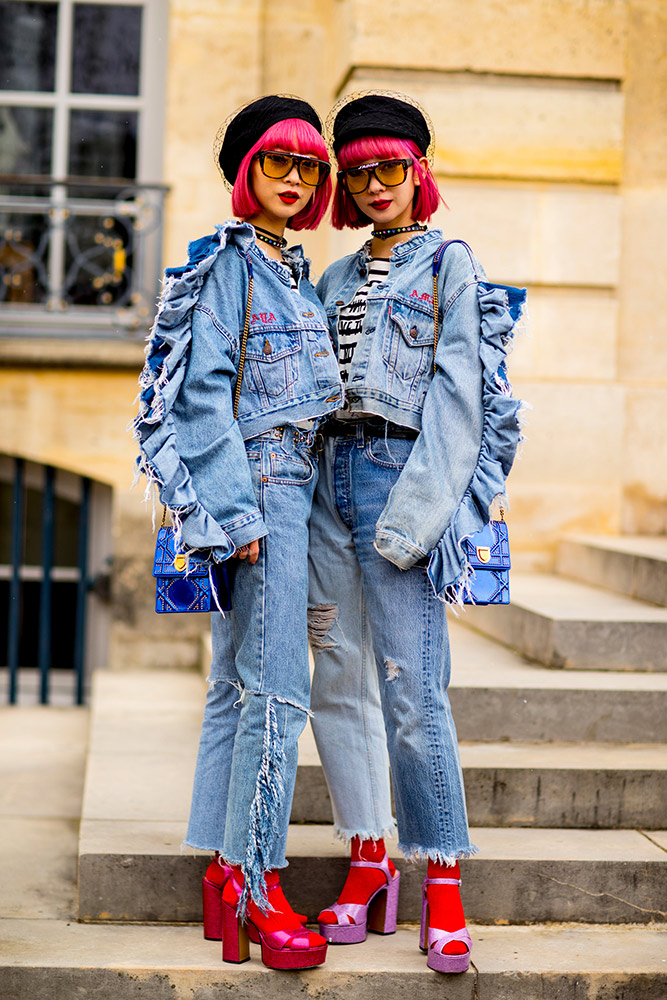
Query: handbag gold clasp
pixel 180 562
pixel 484 553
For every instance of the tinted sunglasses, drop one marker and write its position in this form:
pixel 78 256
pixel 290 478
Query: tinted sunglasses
pixel 277 165
pixel 390 173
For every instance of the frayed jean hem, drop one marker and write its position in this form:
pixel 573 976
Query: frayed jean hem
pixel 346 836
pixel 413 852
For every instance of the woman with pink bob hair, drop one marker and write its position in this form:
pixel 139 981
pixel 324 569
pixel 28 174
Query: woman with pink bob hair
pixel 296 135
pixel 345 212
pixel 239 371
pixel 412 462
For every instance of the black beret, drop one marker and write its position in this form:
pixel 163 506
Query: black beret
pixel 378 114
pixel 246 127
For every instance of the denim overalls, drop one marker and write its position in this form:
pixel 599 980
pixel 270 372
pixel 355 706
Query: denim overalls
pixel 388 518
pixel 227 482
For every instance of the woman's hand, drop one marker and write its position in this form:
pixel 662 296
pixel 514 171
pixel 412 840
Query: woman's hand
pixel 249 552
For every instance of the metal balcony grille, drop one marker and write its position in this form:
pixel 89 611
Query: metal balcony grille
pixel 79 257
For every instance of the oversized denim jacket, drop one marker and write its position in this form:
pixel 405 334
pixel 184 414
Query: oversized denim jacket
pixel 465 413
pixel 190 443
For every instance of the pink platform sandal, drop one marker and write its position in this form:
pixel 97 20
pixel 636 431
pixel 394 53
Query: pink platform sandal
pixel 432 940
pixel 377 915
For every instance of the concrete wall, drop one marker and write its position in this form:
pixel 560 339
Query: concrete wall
pixel 552 146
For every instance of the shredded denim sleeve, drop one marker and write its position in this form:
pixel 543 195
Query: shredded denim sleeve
pixel 190 445
pixel 466 448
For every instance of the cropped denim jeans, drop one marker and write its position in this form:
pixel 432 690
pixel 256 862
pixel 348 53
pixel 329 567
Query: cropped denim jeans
pixel 258 701
pixel 381 647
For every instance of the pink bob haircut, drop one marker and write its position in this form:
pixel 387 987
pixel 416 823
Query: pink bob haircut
pixel 382 147
pixel 297 136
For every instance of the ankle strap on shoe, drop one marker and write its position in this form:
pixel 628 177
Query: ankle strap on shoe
pixel 441 881
pixel 382 865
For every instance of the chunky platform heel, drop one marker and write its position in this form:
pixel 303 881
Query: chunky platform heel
pixel 235 939
pixel 377 915
pixel 432 940
pixel 212 906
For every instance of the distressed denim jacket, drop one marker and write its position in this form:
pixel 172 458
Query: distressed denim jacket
pixel 464 411
pixel 190 443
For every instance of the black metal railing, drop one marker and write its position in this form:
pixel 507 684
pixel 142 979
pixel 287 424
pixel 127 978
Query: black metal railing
pixel 44 618
pixel 79 255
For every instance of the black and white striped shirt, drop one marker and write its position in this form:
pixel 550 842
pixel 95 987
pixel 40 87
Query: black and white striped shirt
pixel 351 316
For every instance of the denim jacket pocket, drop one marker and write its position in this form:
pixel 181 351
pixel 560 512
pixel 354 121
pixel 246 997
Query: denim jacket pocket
pixel 273 363
pixel 407 346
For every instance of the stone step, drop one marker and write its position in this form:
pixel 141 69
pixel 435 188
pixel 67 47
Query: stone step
pixel 141 767
pixel 635 565
pixel 498 695
pixel 567 785
pixel 57 960
pixel 136 871
pixel 136 800
pixel 46 955
pixel 562 623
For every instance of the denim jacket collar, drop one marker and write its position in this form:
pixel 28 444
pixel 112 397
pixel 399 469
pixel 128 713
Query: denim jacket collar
pixel 242 235
pixel 294 260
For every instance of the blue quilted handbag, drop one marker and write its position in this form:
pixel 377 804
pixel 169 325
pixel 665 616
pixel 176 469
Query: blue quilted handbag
pixel 185 585
pixel 488 552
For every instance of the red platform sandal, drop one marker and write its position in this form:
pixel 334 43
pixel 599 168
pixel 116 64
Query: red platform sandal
pixel 212 885
pixel 285 942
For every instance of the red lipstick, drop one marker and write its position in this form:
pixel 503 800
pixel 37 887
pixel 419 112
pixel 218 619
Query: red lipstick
pixel 289 197
pixel 380 205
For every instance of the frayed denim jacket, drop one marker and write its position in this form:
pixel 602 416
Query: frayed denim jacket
pixel 465 413
pixel 190 444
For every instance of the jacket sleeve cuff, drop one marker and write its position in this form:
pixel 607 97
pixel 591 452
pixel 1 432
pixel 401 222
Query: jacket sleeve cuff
pixel 244 530
pixel 397 550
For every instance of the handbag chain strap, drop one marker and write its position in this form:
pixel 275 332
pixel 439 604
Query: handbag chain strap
pixel 244 342
pixel 437 261
pixel 436 325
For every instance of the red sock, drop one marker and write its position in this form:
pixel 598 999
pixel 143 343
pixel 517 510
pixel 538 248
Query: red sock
pixel 444 904
pixel 215 874
pixel 361 883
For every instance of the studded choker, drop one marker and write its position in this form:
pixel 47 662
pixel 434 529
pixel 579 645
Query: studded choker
pixel 384 234
pixel 266 237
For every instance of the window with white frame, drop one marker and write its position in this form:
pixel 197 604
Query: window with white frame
pixel 81 114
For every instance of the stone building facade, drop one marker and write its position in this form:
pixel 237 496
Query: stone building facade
pixel 551 117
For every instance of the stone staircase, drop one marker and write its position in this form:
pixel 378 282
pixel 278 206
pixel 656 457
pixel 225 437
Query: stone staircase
pixel 566 779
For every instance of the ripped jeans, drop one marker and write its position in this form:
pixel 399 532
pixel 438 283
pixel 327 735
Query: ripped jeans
pixel 382 665
pixel 258 700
